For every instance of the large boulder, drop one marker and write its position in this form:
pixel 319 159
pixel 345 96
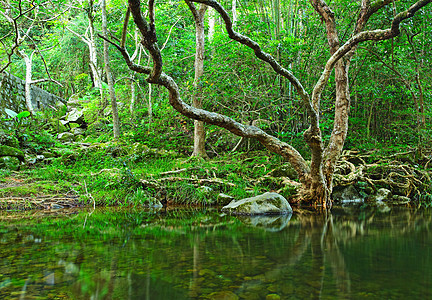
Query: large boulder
pixel 267 203
pixel 11 151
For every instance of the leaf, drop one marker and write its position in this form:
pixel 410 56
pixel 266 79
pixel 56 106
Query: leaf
pixel 10 113
pixel 23 114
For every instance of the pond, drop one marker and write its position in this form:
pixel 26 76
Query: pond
pixel 203 254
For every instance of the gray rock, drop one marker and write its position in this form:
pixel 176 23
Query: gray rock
pixel 224 199
pixel 267 203
pixel 11 151
pixel 78 131
pixel 399 200
pixel 73 116
pixel 205 189
pixel 66 137
pixel 9 162
pixel 138 149
pixel 63 151
pixel 48 154
pixel 346 195
pixel 379 196
pixel 155 203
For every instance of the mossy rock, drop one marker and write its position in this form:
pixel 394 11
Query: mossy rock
pixel 10 163
pixel 63 151
pixel 11 151
pixel 138 149
pixel 47 154
pixel 66 137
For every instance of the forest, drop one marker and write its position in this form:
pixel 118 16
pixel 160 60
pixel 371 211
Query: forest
pixel 200 102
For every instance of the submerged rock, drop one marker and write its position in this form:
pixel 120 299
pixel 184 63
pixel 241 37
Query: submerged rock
pixel 267 203
pixel 223 295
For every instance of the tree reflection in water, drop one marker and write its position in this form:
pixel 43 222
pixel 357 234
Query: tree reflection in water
pixel 202 254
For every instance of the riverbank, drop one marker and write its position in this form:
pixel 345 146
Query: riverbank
pixel 116 174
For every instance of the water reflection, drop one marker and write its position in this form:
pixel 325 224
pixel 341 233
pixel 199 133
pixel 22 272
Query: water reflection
pixel 195 254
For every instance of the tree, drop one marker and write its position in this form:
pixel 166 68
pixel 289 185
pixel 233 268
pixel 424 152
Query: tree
pixel 317 178
pixel 199 130
pixel 89 39
pixel 24 37
pixel 116 122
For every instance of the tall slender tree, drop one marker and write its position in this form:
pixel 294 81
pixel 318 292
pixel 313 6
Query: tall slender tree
pixel 199 130
pixel 115 116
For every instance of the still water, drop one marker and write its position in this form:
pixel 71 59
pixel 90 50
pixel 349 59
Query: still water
pixel 203 254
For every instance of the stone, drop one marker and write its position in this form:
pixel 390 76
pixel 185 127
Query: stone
pixel 205 189
pixel 399 200
pixel 74 101
pixel 223 295
pixel 63 151
pixel 66 137
pixel 11 151
pixel 78 131
pixel 346 194
pixel 47 154
pixel 273 297
pixel 380 195
pixel 267 203
pixel 9 162
pixel 155 203
pixel 224 199
pixel 138 149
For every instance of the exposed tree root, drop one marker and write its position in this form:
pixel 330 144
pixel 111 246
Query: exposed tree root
pixel 39 202
pixel 405 173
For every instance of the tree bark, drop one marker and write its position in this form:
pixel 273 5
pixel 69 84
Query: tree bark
pixel 116 121
pixel 199 130
pixel 28 79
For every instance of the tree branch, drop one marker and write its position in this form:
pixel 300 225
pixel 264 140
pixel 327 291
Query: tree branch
pixel 248 131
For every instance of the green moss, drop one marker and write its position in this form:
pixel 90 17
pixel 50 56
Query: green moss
pixel 10 151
